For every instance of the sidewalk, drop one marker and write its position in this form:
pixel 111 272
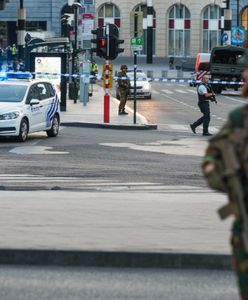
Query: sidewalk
pixel 178 228
pixel 92 114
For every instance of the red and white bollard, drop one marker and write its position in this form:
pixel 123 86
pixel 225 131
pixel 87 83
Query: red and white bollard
pixel 106 110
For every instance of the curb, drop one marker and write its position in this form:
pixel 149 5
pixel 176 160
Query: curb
pixel 111 126
pixel 115 259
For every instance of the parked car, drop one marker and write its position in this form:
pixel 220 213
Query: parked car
pixel 27 106
pixel 143 86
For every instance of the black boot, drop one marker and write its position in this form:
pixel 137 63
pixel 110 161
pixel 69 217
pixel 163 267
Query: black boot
pixel 192 128
pixel 124 112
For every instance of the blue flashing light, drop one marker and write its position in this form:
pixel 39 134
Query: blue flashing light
pixel 3 76
pixel 19 75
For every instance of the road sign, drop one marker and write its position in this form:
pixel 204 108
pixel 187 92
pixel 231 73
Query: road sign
pixel 224 37
pixel 137 43
pixel 238 35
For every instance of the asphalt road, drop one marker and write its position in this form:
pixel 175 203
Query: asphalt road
pixel 177 104
pixel 170 155
pixel 80 154
pixel 28 283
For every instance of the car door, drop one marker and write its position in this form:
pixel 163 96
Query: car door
pixel 34 110
pixel 46 97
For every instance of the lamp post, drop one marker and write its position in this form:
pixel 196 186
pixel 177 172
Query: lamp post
pixel 21 28
pixel 65 25
pixel 149 32
pixel 76 6
pixel 237 12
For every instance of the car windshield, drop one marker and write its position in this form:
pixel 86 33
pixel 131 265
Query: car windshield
pixel 139 76
pixel 12 93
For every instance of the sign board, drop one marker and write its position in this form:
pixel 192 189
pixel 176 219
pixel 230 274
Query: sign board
pixel 238 35
pixel 226 38
pixel 137 43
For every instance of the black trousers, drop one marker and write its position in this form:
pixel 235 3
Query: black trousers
pixel 205 119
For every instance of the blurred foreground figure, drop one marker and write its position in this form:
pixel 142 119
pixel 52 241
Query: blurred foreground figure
pixel 225 167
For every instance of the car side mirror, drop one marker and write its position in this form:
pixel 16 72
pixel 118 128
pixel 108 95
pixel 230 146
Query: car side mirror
pixel 34 102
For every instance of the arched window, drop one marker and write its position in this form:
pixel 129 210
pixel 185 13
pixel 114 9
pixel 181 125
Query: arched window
pixel 211 27
pixel 143 8
pixel 109 13
pixel 179 25
pixel 245 23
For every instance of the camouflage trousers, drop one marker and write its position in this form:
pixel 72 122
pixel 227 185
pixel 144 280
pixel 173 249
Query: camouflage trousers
pixel 123 100
pixel 240 259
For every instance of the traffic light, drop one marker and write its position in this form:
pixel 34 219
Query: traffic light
pixel 114 42
pixel 107 42
pixel 102 47
pixel 99 35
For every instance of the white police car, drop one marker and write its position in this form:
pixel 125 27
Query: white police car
pixel 27 106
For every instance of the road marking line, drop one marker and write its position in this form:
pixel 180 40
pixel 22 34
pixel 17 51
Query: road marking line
pixel 181 91
pixel 192 91
pixel 167 92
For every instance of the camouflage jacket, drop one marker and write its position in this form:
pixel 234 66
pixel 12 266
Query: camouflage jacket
pixel 123 83
pixel 233 134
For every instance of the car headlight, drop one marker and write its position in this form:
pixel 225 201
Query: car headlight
pixel 146 86
pixel 10 115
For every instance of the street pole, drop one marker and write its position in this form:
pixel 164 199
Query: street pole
pixel 21 30
pixel 222 20
pixel 237 12
pixel 149 32
pixel 74 54
pixel 106 101
pixel 226 22
pixel 135 71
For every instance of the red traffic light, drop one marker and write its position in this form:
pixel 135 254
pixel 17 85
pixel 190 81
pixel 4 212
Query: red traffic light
pixel 103 42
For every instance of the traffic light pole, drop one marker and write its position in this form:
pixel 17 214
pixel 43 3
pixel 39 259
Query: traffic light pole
pixel 135 71
pixel 106 95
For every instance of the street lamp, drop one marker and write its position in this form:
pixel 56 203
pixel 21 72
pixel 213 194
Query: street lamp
pixel 65 25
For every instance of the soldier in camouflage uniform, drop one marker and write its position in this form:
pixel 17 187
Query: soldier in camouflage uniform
pixel 225 167
pixel 124 89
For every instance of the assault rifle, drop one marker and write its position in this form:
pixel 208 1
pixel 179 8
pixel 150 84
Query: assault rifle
pixel 234 179
pixel 212 98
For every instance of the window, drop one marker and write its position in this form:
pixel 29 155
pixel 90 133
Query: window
pixel 11 93
pixel 179 25
pixel 36 25
pixel 109 13
pixel 210 28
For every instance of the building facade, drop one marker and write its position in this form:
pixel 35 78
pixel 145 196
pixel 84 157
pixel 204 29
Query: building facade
pixel 181 27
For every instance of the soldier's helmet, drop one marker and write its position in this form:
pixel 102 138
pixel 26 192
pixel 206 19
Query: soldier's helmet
pixel 123 67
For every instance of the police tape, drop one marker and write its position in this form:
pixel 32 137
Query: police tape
pixel 150 79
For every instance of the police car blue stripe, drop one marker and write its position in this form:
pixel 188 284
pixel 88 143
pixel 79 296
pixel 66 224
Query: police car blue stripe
pixel 53 108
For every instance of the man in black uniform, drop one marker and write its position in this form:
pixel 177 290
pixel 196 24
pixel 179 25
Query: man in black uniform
pixel 205 94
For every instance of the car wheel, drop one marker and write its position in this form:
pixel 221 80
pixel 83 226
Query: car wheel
pixel 23 131
pixel 149 97
pixel 54 131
